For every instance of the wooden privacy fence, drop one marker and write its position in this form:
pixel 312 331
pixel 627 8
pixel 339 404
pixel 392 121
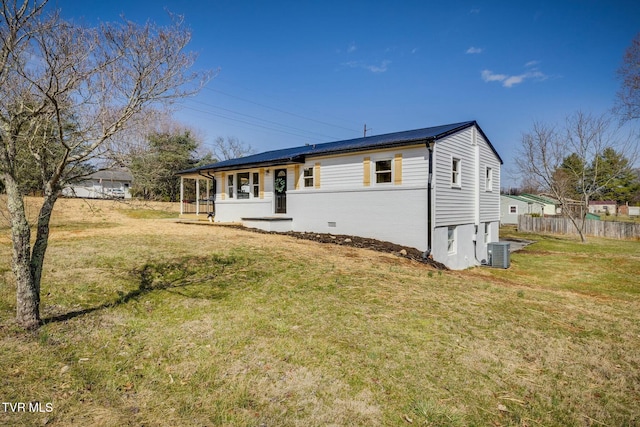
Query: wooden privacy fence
pixel 609 229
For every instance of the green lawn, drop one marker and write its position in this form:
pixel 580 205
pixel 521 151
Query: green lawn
pixel 150 322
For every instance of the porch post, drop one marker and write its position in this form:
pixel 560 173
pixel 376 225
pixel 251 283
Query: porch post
pixel 181 195
pixel 197 196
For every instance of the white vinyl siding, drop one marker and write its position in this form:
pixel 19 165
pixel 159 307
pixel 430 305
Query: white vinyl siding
pixel 346 172
pixel 454 205
pixel 489 200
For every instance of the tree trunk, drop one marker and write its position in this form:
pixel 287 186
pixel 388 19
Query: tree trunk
pixel 27 292
pixel 42 237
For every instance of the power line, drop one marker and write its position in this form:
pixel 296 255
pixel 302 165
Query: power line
pixel 250 123
pixel 281 110
pixel 265 120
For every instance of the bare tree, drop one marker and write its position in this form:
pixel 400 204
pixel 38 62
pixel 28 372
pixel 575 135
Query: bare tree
pixel 628 101
pixel 81 87
pixel 567 162
pixel 230 148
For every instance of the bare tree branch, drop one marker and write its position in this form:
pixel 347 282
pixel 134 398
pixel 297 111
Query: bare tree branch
pixel 569 163
pixel 628 100
pixel 66 91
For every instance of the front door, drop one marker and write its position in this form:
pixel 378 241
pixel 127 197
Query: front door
pixel 280 190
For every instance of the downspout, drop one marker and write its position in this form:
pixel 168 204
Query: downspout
pixel 181 195
pixel 427 254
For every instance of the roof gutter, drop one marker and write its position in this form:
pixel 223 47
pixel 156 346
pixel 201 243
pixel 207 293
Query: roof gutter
pixel 206 175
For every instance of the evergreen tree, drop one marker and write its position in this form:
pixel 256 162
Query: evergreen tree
pixel 616 179
pixel 154 170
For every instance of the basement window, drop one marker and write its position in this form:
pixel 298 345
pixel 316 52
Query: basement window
pixel 383 171
pixel 451 240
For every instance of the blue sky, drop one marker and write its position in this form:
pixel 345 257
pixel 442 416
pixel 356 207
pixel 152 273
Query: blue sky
pixel 296 72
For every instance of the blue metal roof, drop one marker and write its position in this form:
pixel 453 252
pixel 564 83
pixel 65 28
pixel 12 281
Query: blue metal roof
pixel 298 154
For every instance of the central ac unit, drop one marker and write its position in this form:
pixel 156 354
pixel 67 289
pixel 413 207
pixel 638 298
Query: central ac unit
pixel 498 253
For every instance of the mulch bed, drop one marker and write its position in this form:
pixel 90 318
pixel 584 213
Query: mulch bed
pixel 358 242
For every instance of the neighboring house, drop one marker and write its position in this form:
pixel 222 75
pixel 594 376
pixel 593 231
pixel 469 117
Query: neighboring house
pixel 549 207
pixel 376 187
pixel 629 210
pixel 512 206
pixel 609 207
pixel 106 184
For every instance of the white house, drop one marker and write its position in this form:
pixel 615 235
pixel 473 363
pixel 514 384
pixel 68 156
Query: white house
pixel 105 184
pixel 435 189
pixel 512 206
pixel 549 207
pixel 609 207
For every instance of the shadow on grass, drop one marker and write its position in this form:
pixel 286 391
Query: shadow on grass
pixel 158 276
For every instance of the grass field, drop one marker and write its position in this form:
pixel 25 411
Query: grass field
pixel 150 322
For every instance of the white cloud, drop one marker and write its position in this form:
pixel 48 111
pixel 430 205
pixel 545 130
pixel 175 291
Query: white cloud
pixel 474 11
pixel 352 47
pixel 510 81
pixel 378 69
pixel 489 76
pixel 531 64
pixel 373 68
pixel 513 80
pixel 474 50
pixel 415 50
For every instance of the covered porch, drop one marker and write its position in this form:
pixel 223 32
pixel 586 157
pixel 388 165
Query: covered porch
pixel 197 196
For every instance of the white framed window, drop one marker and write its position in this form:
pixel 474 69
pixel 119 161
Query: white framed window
pixel 230 186
pixel 456 172
pixel 513 209
pixel 256 184
pixel 486 232
pixel 308 177
pixel 451 239
pixel 243 185
pixel 488 183
pixel 383 171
